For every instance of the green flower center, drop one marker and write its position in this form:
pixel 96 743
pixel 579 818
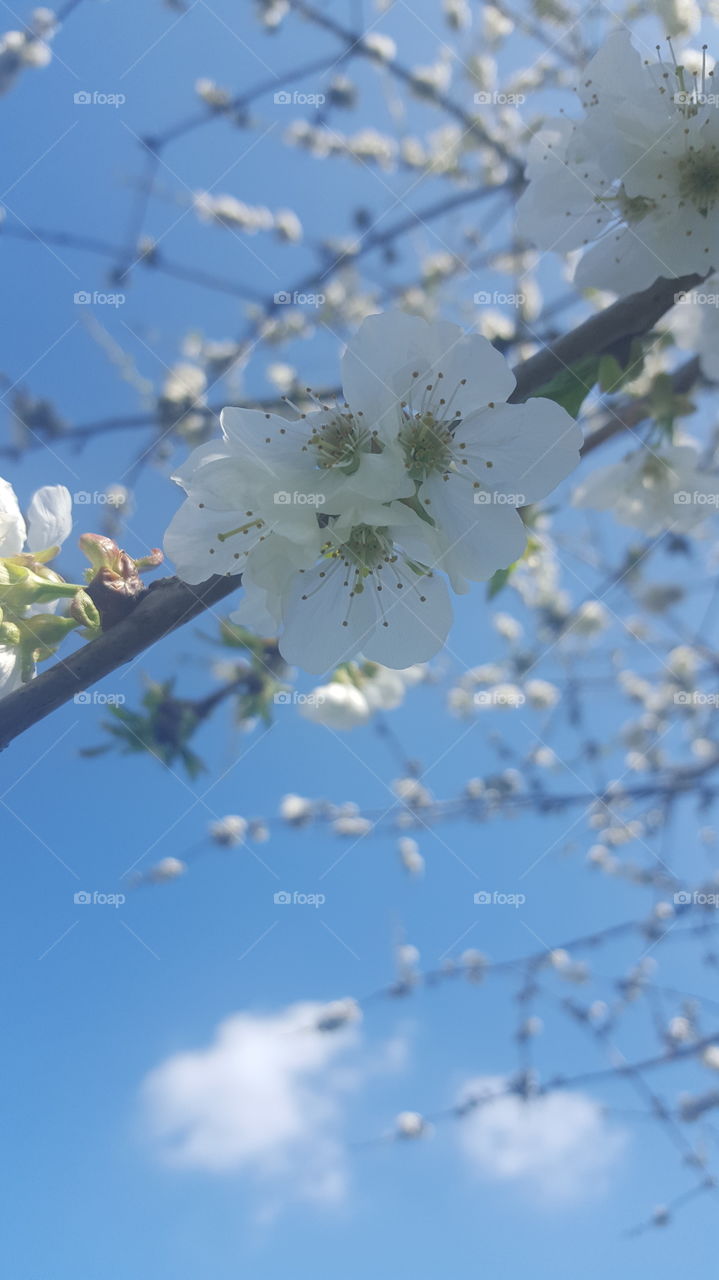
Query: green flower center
pixel 699 178
pixel 634 208
pixel 340 442
pixel 427 445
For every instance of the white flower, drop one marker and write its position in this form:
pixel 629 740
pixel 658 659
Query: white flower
pixel 541 694
pixel 507 627
pixel 590 618
pixel 637 178
pixel 168 869
pixel 654 490
pixel 410 856
pixel 341 520
pixel 336 705
pixel 678 17
pixel 367 592
pixel 295 809
pixel 694 323
pixel 410 1124
pixel 710 1057
pixel 473 458
pixel 228 831
pixel 49 521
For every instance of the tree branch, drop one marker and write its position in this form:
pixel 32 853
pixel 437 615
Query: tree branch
pixel 170 603
pixel 166 605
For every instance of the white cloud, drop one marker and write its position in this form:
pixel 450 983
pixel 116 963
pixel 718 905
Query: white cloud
pixel 559 1146
pixel 263 1098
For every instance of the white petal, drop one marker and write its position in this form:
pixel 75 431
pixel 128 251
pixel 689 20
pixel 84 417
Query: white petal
pixel 415 615
pixel 478 538
pixel 521 449
pixel 324 625
pixel 266 439
pixel 49 517
pixel 193 544
pixel 12 525
pixel 10 670
pixel 395 356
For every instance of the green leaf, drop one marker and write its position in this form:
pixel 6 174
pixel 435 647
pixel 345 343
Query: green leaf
pixel 499 580
pixel 571 387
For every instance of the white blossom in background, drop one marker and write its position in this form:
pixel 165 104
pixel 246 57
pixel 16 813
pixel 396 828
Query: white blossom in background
pixel 167 869
pixel 357 693
pixel 636 179
pixel 410 856
pixel 654 489
pixel 410 1124
pixel 296 810
pixel 28 48
pixel 337 705
pixel 228 831
pixel 694 325
pixel 677 17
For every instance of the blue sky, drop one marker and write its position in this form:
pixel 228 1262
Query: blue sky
pixel 95 998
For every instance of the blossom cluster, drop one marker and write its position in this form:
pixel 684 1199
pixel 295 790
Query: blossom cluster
pixel 634 182
pixel 347 522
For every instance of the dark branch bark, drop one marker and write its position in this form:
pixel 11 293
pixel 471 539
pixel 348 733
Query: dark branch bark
pixel 626 319
pixel 170 603
pixel 167 604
